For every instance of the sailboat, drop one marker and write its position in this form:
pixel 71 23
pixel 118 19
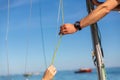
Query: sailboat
pixel 84 70
pixel 27 74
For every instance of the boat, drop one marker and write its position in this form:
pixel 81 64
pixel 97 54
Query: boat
pixel 27 74
pixel 84 70
pixel 36 73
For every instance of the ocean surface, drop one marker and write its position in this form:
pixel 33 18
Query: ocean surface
pixel 112 74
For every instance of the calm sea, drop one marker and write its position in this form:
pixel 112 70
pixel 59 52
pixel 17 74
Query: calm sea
pixel 112 74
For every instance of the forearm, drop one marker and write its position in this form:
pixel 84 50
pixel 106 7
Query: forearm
pixel 97 3
pixel 98 13
pixel 94 16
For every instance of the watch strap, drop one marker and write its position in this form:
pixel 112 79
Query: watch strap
pixel 77 25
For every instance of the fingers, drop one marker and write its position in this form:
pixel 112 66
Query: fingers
pixel 67 29
pixel 63 30
pixel 52 69
pixel 63 27
pixel 63 33
pixel 49 73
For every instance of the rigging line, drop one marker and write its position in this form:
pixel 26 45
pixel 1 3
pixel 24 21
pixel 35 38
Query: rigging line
pixel 56 49
pixel 6 39
pixel 60 38
pixel 58 18
pixel 43 43
pixel 62 11
pixel 29 21
pixel 99 38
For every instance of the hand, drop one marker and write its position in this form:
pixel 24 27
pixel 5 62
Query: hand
pixel 67 29
pixel 49 73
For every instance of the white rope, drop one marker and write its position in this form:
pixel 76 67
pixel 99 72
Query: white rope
pixel 62 11
pixel 8 16
pixel 58 18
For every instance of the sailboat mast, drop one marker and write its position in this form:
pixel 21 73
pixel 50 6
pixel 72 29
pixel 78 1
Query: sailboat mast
pixel 98 52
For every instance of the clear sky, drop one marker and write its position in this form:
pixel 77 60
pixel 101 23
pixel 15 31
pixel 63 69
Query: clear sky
pixel 74 51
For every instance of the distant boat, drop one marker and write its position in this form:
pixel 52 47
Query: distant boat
pixel 84 70
pixel 36 73
pixel 27 74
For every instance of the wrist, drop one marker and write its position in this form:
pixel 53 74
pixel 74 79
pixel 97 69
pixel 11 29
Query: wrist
pixel 77 25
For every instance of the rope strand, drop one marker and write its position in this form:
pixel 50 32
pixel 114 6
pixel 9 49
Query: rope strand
pixel 58 18
pixel 62 10
pixel 59 41
pixel 56 49
pixel 6 39
pixel 43 45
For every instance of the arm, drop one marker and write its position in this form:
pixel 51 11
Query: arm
pixel 93 17
pixel 99 12
pixel 97 3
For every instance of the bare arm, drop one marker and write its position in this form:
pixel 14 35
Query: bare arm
pixel 97 3
pixel 99 13
pixel 93 17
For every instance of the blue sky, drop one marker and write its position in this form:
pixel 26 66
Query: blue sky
pixel 74 51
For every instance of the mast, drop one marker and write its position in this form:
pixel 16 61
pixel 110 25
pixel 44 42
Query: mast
pixel 98 52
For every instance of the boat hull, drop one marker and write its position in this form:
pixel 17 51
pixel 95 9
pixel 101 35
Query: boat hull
pixel 84 71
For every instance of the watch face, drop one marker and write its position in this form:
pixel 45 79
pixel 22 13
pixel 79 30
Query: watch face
pixel 77 25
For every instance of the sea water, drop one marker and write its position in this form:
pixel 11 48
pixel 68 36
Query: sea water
pixel 112 74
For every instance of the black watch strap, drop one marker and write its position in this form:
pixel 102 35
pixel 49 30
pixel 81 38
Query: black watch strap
pixel 77 25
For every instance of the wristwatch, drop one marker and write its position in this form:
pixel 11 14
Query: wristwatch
pixel 77 25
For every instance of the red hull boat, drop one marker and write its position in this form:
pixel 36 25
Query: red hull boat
pixel 85 70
